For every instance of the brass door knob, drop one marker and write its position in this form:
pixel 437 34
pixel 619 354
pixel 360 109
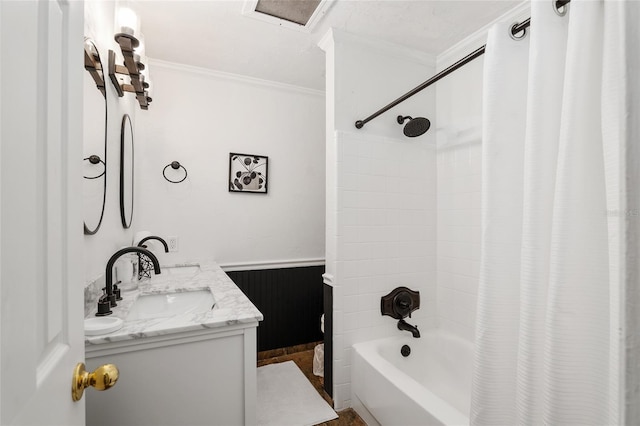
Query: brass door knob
pixel 103 378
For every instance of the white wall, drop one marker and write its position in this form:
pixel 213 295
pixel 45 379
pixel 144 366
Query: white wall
pixel 198 117
pixel 99 18
pixel 381 194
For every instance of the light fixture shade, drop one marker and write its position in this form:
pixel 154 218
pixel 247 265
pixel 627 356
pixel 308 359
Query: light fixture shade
pixel 127 25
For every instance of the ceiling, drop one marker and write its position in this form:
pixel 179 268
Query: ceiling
pixel 215 34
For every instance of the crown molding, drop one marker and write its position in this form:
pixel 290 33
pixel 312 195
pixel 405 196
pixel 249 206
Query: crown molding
pixel 479 38
pixel 327 40
pixel 209 73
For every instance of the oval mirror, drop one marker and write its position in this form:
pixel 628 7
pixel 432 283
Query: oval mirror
pixel 94 140
pixel 126 171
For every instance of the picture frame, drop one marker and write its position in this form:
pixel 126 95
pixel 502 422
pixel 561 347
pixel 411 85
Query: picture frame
pixel 248 173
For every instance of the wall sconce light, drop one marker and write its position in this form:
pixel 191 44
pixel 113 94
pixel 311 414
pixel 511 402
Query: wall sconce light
pixel 93 65
pixel 127 26
pixel 131 43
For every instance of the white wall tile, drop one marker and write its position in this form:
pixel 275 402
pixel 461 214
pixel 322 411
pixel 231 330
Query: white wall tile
pixel 338 323
pixel 385 197
pixel 350 317
pixel 349 269
pixel 364 319
pixel 342 396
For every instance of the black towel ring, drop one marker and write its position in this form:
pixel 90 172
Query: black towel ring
pixel 175 165
pixel 94 159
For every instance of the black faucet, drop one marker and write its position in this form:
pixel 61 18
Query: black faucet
pixel 153 237
pixel 108 299
pixel 403 325
pixel 144 266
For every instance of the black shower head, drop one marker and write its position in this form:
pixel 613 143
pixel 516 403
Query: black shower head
pixel 415 127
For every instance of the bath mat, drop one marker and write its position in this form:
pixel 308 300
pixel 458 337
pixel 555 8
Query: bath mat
pixel 286 397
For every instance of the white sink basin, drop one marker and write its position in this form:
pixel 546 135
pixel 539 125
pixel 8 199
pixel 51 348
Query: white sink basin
pixel 101 325
pixel 181 270
pixel 171 304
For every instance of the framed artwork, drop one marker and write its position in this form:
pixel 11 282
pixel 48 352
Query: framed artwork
pixel 248 173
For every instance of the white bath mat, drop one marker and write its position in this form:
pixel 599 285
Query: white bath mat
pixel 286 397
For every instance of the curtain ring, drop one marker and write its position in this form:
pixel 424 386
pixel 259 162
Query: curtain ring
pixel 513 35
pixel 560 8
pixel 175 165
pixel 94 159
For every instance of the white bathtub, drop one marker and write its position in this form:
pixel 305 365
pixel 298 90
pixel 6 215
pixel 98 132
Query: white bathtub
pixel 429 387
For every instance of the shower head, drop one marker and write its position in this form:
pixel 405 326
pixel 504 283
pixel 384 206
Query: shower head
pixel 415 127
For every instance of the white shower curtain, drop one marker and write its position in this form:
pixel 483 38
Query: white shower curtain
pixel 547 332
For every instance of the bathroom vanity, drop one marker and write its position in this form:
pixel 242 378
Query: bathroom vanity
pixel 180 363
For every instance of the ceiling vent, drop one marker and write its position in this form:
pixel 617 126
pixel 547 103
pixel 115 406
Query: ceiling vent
pixel 301 15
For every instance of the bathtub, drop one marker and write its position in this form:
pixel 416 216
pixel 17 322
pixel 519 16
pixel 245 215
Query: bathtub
pixel 429 387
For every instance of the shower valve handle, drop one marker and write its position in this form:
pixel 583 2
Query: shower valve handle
pixel 400 303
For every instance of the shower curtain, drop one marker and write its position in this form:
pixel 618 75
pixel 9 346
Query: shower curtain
pixel 547 330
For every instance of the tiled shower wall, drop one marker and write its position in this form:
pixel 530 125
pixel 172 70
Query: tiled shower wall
pixel 386 237
pixel 381 195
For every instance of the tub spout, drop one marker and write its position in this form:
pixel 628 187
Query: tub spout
pixel 403 325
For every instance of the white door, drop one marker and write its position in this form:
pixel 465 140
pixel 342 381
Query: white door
pixel 41 294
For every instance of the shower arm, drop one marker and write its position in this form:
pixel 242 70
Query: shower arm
pixel 515 29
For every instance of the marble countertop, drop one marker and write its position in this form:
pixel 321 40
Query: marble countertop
pixel 232 306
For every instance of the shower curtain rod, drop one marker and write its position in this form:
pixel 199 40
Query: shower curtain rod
pixel 445 72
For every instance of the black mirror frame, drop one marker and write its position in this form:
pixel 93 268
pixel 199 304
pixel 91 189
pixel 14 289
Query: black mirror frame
pixel 88 231
pixel 123 215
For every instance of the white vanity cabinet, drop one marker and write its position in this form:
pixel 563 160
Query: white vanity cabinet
pixel 205 377
pixel 191 367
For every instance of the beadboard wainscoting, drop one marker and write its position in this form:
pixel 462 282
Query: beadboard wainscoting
pixel 328 337
pixel 291 300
